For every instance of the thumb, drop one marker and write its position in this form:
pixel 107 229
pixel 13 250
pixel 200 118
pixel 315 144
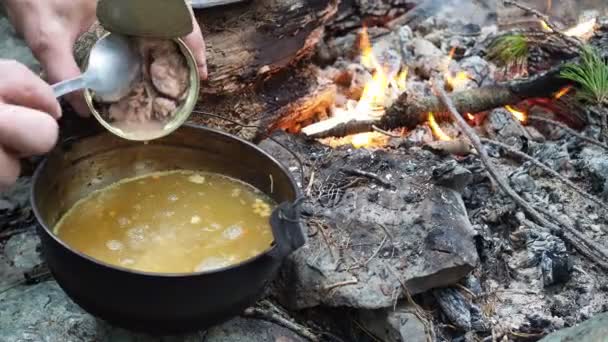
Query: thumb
pixel 196 43
pixel 60 65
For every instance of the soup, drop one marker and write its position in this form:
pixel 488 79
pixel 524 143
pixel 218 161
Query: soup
pixel 171 222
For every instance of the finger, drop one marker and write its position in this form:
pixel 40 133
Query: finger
pixel 20 86
pixel 60 65
pixel 26 132
pixel 9 169
pixel 196 43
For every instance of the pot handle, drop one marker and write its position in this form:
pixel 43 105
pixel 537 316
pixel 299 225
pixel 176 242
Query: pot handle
pixel 287 229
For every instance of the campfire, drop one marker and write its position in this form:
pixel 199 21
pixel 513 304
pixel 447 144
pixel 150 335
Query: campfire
pixel 451 157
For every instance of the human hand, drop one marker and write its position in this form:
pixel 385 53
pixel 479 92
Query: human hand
pixel 51 28
pixel 28 113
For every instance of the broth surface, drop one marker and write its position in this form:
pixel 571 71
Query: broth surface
pixel 171 222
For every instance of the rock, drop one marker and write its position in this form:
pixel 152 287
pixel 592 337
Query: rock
pixel 424 48
pixel 246 330
pixel 500 123
pixel 350 260
pixel 43 312
pixel 399 325
pixel 478 69
pixel 593 330
pixel 594 162
pixel 555 155
pixel 22 250
pixel 19 194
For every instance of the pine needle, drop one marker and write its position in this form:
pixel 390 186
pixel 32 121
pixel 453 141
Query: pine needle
pixel 591 74
pixel 512 49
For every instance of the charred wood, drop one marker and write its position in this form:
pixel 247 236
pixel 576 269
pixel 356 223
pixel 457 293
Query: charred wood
pixel 408 112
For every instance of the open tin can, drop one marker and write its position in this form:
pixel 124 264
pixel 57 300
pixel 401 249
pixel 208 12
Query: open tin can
pixel 179 117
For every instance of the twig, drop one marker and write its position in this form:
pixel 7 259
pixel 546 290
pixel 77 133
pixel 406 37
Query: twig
pixel 569 130
pixel 377 250
pixel 547 169
pixel 570 40
pixel 418 311
pixel 576 238
pixel 366 174
pixel 279 319
pixel 310 182
pixel 485 159
pixel 387 133
pixel 330 287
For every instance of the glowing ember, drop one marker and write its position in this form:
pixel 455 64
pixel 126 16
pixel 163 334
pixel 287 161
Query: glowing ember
pixel 519 115
pixel 452 53
pixel 565 90
pixel 470 116
pixel 582 29
pixel 370 139
pixel 437 131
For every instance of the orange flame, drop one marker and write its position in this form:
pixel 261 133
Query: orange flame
pixel 368 59
pixel 383 88
pixel 519 115
pixel 470 116
pixel 565 90
pixel 452 53
pixel 374 94
pixel 437 131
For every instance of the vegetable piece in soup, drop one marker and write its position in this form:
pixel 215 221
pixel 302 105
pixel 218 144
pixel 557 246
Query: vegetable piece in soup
pixel 172 222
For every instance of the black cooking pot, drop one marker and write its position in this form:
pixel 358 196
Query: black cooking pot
pixel 155 302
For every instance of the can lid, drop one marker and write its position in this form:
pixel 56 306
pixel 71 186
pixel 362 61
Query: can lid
pixel 146 18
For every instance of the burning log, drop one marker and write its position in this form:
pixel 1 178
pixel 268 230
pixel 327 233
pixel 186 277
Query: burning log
pixel 247 43
pixel 407 112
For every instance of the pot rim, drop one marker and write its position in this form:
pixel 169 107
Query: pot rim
pixel 40 167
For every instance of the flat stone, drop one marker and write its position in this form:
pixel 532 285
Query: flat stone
pixel 592 330
pixel 367 239
pixel 22 250
pixel 43 312
pixel 245 330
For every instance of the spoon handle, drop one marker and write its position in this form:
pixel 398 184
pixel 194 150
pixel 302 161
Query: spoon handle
pixel 68 86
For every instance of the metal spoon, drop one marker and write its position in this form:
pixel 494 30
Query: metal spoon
pixel 112 68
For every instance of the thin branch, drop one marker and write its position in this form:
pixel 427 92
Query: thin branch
pixel 275 317
pixel 367 174
pixel 570 234
pixel 569 130
pixel 570 40
pixel 485 159
pixel 547 169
